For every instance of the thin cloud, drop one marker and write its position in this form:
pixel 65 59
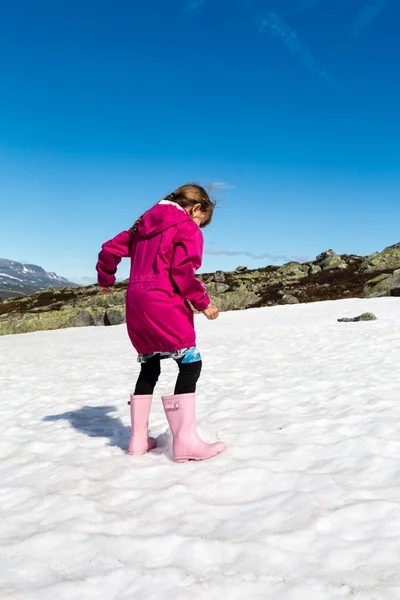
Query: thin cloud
pixel 221 185
pixel 368 14
pixel 303 6
pixel 300 258
pixel 195 4
pixel 278 29
pixel 274 257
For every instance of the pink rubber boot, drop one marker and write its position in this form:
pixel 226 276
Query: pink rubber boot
pixel 140 443
pixel 187 445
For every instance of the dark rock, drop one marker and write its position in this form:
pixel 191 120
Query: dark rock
pixel 217 288
pixel 329 260
pixel 219 277
pixel 378 287
pixel 383 285
pixel 240 269
pixel 334 262
pixel 364 317
pixel 220 288
pixel 314 269
pixel 82 319
pixel 239 299
pixel 324 255
pixel 289 299
pixel 395 284
pixel 114 316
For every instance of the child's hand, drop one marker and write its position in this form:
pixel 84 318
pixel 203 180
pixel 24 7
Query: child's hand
pixel 107 290
pixel 211 312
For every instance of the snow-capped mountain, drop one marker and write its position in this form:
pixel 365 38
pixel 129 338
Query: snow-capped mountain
pixel 86 280
pixel 19 279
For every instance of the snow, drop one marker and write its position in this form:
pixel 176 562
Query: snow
pixel 10 276
pixel 304 504
pixel 51 275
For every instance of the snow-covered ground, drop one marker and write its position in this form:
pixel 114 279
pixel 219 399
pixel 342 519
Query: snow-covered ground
pixel 304 505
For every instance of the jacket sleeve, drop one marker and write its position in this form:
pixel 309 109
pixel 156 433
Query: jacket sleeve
pixel 110 256
pixel 188 251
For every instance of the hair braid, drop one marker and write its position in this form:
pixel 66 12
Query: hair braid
pixel 134 229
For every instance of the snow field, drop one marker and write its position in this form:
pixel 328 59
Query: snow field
pixel 304 504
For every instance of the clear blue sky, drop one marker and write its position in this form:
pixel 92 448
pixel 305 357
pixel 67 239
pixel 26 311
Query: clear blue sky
pixel 106 106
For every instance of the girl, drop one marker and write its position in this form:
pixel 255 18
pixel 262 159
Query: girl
pixel 165 246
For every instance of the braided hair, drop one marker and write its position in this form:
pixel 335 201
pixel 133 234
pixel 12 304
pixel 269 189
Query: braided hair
pixel 133 230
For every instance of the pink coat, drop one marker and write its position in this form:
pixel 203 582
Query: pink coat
pixel 166 252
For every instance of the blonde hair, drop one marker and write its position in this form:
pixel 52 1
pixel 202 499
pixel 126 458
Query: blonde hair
pixel 187 196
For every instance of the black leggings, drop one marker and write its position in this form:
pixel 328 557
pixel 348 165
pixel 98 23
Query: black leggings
pixel 188 376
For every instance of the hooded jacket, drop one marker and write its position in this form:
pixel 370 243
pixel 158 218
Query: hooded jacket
pixel 166 252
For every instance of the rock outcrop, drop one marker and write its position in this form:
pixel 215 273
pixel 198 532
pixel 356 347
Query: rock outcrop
pixel 330 260
pixel 380 261
pixel 386 284
pixel 329 277
pixel 57 309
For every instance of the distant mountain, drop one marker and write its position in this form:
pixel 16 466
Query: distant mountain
pixel 20 279
pixel 85 280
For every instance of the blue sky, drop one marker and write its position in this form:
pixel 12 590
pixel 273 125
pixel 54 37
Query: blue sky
pixel 292 105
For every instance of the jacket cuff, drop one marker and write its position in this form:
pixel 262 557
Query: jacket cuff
pixel 203 304
pixel 105 280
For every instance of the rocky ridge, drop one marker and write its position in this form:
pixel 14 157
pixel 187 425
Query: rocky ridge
pixel 330 277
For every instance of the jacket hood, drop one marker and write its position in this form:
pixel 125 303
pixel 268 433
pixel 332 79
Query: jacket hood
pixel 162 216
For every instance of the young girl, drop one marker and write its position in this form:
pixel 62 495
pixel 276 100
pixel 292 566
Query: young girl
pixel 165 246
